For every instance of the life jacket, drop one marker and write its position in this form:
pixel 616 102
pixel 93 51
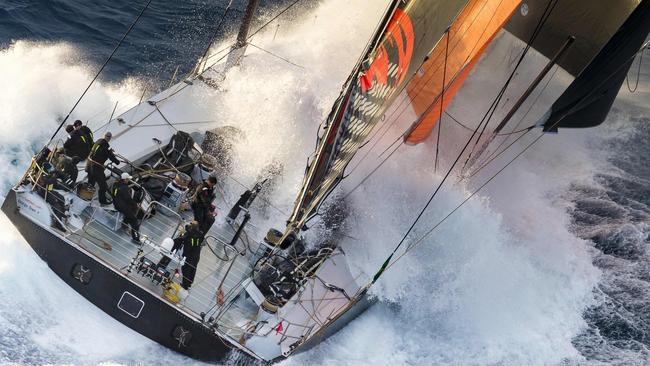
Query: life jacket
pixel 100 152
pixel 77 145
pixel 87 135
pixel 193 238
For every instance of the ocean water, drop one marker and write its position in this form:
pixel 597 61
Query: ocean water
pixel 548 266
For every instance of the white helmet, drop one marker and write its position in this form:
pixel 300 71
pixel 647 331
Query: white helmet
pixel 125 176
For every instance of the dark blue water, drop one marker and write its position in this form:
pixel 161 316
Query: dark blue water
pixel 613 213
pixel 170 34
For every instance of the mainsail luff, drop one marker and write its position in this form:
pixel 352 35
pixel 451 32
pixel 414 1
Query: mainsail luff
pixel 396 53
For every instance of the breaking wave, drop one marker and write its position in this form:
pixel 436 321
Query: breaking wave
pixel 506 280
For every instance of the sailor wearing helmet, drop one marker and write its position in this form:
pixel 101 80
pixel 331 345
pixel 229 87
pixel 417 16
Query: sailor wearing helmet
pixel 124 202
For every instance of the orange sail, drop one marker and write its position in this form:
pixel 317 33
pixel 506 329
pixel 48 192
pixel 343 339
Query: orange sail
pixel 469 36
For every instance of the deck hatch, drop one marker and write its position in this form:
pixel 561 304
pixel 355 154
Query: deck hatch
pixel 130 304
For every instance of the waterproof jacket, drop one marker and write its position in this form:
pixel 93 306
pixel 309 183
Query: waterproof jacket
pixel 67 168
pixel 77 145
pixel 190 241
pixel 203 196
pixel 123 199
pixel 88 134
pixel 101 152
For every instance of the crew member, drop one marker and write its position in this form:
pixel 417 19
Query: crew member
pixel 85 132
pixel 100 152
pixel 191 242
pixel 202 203
pixel 66 168
pixel 76 145
pixel 46 187
pixel 124 201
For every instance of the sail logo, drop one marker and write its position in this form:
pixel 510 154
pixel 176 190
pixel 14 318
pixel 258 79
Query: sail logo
pixel 398 44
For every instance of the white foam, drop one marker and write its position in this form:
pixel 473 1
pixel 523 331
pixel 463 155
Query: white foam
pixel 503 282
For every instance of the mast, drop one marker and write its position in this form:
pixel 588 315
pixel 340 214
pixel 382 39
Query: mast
pixel 237 51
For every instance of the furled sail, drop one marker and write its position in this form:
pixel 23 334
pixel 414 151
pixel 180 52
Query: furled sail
pixel 587 101
pixel 453 60
pixel 405 37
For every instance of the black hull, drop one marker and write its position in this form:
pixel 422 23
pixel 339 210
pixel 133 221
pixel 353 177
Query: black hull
pixel 157 320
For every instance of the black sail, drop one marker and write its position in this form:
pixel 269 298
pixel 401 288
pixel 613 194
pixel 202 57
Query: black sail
pixel 587 101
pixel 591 22
pixel 407 33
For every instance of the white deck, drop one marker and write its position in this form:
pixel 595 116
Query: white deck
pixel 220 265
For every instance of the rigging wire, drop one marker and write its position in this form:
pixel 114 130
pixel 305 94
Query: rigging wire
pixel 419 86
pixel 638 76
pixel 485 120
pixel 188 82
pixel 531 144
pixel 498 153
pixel 516 131
pixel 128 31
pixel 231 50
pixel 442 100
pixel 375 168
pixel 275 55
pixel 163 116
pixel 461 124
pixel 547 13
pixel 214 35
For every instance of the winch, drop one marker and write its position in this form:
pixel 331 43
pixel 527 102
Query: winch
pixel 150 269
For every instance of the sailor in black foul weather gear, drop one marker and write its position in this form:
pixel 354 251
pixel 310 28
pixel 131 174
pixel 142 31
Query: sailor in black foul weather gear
pixel 86 132
pixel 124 201
pixel 202 203
pixel 100 152
pixel 191 242
pixel 76 146
pixel 66 168
pixel 47 185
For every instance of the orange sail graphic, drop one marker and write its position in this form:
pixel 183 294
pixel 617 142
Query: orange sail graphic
pixel 469 36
